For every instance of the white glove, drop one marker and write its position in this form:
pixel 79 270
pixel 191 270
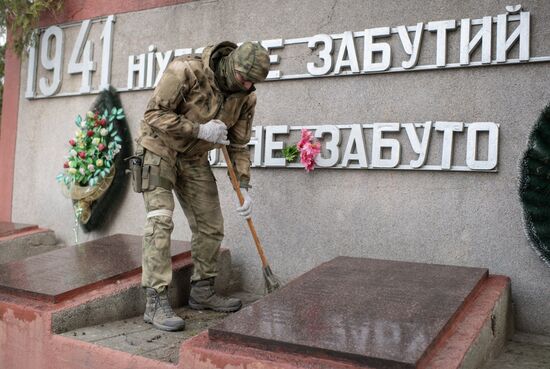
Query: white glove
pixel 245 210
pixel 214 131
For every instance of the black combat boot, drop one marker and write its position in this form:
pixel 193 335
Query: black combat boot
pixel 159 312
pixel 204 297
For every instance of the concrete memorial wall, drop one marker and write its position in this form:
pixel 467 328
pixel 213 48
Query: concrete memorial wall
pixel 423 110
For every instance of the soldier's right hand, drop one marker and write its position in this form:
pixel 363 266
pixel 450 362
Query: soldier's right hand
pixel 214 131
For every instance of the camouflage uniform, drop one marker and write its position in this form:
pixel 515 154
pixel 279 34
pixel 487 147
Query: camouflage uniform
pixel 187 96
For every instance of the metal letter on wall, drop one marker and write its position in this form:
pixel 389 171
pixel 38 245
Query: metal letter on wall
pixel 272 145
pixel 273 59
pixel 356 140
pixel 521 33
pixel 31 72
pixel 52 37
pixel 136 67
pixel 83 51
pixel 214 157
pixel 379 143
pixel 447 150
pixel 347 47
pixel 150 68
pixel 325 55
pixel 107 53
pixel 420 148
pixel 379 47
pixel 332 145
pixel 162 61
pixel 472 145
pixel 411 49
pixel 467 46
pixel 257 141
pixel 441 28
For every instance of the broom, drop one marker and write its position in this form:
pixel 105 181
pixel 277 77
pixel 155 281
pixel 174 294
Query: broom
pixel 271 281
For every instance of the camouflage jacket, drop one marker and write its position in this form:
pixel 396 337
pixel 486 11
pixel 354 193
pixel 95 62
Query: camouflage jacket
pixel 186 96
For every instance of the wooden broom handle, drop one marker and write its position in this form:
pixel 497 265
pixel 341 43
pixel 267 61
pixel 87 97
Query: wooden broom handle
pixel 237 189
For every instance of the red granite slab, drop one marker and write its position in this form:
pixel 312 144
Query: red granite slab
pixel 8 228
pixel 59 274
pixel 385 314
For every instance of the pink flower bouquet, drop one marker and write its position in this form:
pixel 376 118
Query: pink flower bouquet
pixel 307 147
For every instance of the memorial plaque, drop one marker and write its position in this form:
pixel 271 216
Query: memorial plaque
pixel 385 314
pixel 54 275
pixel 8 228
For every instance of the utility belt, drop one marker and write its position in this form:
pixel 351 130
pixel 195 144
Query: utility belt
pixel 145 168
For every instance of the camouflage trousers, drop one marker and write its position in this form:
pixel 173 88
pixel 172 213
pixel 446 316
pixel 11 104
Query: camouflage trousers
pixel 196 191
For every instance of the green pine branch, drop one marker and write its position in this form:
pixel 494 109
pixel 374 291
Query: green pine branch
pixel 534 186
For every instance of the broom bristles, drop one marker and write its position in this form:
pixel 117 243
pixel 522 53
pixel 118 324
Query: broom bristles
pixel 272 282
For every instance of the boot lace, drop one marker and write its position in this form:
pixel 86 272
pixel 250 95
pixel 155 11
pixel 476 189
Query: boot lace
pixel 165 306
pixel 212 294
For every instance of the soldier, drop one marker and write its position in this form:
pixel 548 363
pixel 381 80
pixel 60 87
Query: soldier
pixel 200 103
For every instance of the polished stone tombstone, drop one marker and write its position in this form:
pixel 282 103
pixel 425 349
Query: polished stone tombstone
pixel 8 228
pixel 385 314
pixel 58 274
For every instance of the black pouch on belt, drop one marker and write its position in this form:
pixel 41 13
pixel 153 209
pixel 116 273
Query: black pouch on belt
pixel 136 169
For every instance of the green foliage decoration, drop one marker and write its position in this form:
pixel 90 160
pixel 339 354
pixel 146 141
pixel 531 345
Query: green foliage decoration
pixel 290 153
pixel 534 186
pixel 21 17
pixel 117 143
pixel 93 149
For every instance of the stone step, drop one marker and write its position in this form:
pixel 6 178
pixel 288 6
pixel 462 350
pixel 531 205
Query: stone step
pixel 363 313
pixel 92 284
pixel 62 274
pixel 129 301
pixel 8 228
pixel 348 313
pixel 20 241
pixel 135 337
pixel 59 274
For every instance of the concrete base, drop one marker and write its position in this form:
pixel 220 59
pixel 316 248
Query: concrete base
pixel 27 243
pixel 130 302
pixel 525 351
pixel 134 336
pixel 479 332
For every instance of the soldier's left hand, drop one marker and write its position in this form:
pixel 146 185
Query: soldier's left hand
pixel 245 210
